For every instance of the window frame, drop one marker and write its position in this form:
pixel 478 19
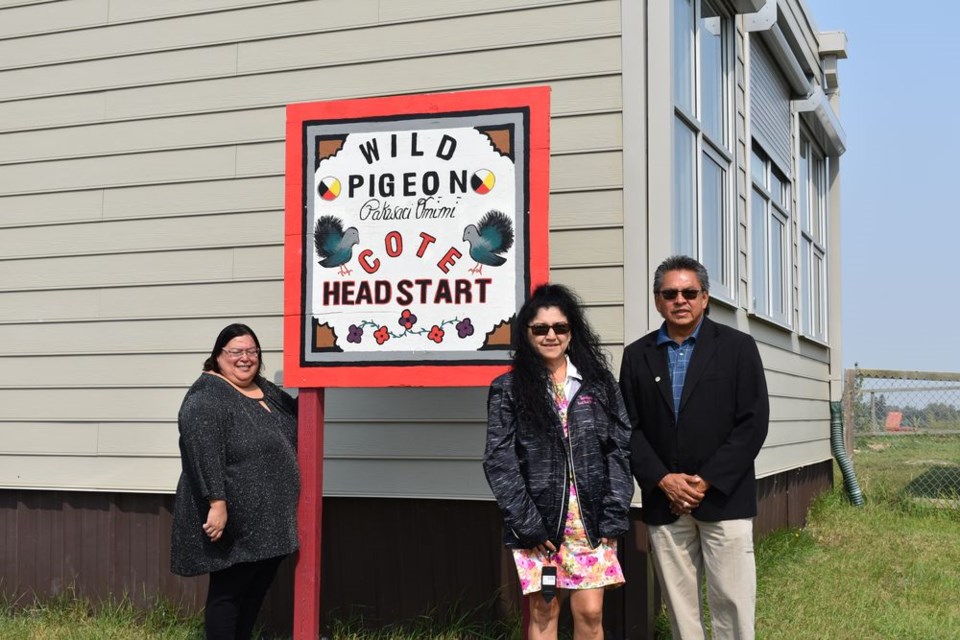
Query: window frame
pixel 776 208
pixel 688 231
pixel 813 225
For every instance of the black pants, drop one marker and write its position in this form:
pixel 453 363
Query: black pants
pixel 235 596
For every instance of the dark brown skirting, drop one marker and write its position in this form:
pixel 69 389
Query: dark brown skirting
pixel 384 559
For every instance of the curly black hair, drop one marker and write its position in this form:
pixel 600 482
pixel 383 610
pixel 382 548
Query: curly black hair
pixel 530 374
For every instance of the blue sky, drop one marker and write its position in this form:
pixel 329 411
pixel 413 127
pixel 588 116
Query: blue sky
pixel 901 233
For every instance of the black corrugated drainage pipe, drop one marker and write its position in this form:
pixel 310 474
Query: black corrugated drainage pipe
pixel 840 455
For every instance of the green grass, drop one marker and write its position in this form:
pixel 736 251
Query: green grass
pixel 70 618
pixel 450 624
pixel 890 569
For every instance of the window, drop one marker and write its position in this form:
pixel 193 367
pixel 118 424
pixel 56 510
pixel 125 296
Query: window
pixel 703 220
pixel 770 236
pixel 812 204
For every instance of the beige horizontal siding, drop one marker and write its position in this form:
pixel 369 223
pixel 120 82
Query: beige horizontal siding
pixel 779 359
pixel 113 39
pixel 144 336
pixel 137 303
pixel 419 9
pixel 777 459
pixel 146 168
pixel 52 16
pixel 586 247
pixel 136 236
pixel 154 368
pixel 799 411
pixel 518 65
pixel 167 267
pixel 332 49
pixel 603 208
pixel 406 479
pixel 602 285
pixel 141 474
pixel 785 432
pixel 89 439
pixel 219 129
pixel 791 385
pixel 124 404
pixel 189 17
pixel 155 68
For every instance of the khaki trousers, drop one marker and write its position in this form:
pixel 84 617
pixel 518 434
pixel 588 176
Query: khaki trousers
pixel 686 550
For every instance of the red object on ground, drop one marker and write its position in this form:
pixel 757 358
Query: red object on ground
pixel 894 418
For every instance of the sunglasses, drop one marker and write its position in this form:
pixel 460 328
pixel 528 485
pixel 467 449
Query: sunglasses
pixel 561 329
pixel 688 294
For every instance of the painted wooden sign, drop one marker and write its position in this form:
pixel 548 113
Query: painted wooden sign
pixel 416 226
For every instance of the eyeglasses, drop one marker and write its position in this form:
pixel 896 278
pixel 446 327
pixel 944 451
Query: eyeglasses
pixel 560 328
pixel 688 294
pixel 236 353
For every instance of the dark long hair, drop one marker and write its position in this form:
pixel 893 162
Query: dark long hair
pixel 530 374
pixel 228 333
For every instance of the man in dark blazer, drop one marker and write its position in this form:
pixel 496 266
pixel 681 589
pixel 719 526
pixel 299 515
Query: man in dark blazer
pixel 697 397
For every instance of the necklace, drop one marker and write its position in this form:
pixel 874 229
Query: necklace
pixel 558 390
pixel 558 385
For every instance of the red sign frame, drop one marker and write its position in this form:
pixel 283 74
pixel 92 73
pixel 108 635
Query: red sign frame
pixel 533 102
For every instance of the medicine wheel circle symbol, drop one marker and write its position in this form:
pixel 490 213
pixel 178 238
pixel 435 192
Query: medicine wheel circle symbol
pixel 482 181
pixel 329 188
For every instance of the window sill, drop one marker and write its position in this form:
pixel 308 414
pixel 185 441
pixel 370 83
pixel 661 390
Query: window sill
pixel 814 340
pixel 772 322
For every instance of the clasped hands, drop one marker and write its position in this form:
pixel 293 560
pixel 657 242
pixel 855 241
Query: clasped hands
pixel 684 491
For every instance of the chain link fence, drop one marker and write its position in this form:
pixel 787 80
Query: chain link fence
pixel 904 428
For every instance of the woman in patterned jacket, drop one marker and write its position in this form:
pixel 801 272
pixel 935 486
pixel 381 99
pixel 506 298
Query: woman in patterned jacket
pixel 556 460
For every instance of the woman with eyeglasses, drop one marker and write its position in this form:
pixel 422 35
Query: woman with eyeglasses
pixel 556 461
pixel 235 513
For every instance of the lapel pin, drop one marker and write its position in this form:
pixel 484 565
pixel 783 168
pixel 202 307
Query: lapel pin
pixel 657 379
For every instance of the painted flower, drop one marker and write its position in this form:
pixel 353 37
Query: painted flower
pixel 465 328
pixel 588 561
pixel 436 334
pixel 612 570
pixel 382 335
pixel 355 334
pixel 407 319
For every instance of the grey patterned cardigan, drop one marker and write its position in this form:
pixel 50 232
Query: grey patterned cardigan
pixel 527 468
pixel 232 448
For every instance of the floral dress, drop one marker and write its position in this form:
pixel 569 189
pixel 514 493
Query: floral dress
pixel 578 565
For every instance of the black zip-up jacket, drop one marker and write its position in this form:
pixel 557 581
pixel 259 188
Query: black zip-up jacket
pixel 527 467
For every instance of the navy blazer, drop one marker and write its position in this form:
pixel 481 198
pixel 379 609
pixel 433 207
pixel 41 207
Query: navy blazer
pixel 723 419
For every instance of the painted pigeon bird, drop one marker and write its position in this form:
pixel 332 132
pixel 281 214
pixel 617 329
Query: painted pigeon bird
pixel 492 236
pixel 333 244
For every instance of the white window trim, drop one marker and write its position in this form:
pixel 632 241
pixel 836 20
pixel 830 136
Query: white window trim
pixel 772 209
pixel 817 245
pixel 723 285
